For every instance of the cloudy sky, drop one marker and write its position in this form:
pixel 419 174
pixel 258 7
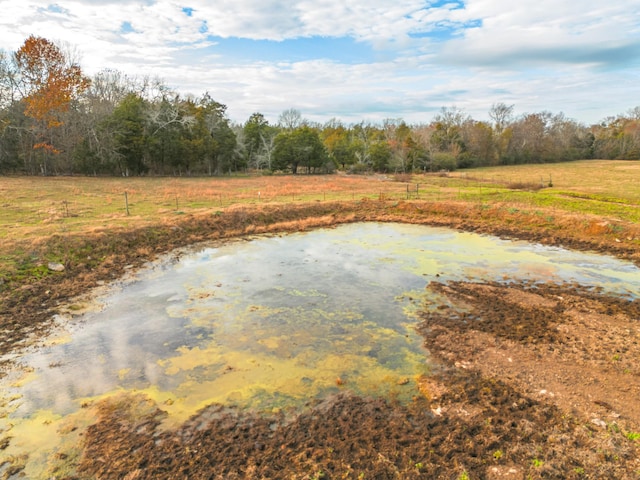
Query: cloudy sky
pixel 358 59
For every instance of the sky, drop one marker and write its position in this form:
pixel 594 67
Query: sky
pixel 358 60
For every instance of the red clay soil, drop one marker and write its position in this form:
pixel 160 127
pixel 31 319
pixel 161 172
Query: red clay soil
pixel 535 381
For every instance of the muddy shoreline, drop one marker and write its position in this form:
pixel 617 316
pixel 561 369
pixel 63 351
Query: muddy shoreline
pixel 536 382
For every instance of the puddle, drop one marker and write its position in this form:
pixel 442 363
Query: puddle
pixel 267 324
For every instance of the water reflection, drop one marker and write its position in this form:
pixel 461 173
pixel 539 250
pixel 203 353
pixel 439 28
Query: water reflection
pixel 273 322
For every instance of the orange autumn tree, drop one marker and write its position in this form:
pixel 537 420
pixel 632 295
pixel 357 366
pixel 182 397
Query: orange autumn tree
pixel 49 82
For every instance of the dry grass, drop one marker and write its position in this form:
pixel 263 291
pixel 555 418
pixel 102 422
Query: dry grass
pixel 529 186
pixel 82 222
pixel 33 206
pixel 592 197
pixel 610 178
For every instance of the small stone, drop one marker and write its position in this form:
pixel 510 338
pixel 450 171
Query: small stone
pixel 55 267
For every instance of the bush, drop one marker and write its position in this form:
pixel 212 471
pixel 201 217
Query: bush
pixel 402 177
pixel 358 168
pixel 443 161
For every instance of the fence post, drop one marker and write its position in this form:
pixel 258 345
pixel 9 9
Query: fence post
pixel 126 202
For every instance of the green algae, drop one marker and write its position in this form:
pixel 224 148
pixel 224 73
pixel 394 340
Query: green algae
pixel 265 325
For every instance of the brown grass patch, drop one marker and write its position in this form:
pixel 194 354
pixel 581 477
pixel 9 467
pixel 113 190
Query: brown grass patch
pixel 529 186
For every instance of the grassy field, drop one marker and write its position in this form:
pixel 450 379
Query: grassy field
pixel 101 228
pixel 601 187
pixel 36 209
pixel 35 206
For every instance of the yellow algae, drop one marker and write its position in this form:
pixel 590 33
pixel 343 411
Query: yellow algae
pixel 60 339
pixel 21 377
pixel 271 343
pixel 306 293
pixel 248 379
pixel 81 307
pixel 238 383
pixel 198 295
pixel 34 436
pixel 61 461
pixel 190 358
pixel 261 310
pixel 293 320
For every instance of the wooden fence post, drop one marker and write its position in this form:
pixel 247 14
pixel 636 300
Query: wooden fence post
pixel 126 202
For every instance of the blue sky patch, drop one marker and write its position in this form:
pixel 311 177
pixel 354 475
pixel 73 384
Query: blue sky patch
pixel 55 8
pixel 340 50
pixel 450 4
pixel 126 27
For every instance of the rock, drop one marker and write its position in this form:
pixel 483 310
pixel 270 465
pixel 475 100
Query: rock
pixel 55 267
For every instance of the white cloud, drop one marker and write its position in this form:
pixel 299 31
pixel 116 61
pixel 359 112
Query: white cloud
pixel 538 55
pixel 519 33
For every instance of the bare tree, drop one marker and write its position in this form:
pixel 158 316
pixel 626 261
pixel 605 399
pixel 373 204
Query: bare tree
pixel 168 112
pixel 268 144
pixel 7 81
pixel 502 115
pixel 290 119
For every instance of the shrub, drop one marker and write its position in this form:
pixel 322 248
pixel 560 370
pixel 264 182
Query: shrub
pixel 443 161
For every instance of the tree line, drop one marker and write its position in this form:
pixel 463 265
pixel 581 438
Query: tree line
pixel 55 120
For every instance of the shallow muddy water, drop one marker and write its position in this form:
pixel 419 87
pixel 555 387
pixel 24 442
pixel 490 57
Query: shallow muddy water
pixel 268 324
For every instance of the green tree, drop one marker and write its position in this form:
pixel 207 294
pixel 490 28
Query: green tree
pixel 211 144
pixel 300 147
pixel 380 154
pixel 406 152
pixel 256 132
pixel 339 145
pixel 168 122
pixel 479 145
pixel 128 123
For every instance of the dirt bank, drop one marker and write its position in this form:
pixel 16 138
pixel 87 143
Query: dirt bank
pixel 535 381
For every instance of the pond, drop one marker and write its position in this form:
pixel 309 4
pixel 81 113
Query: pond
pixel 267 324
